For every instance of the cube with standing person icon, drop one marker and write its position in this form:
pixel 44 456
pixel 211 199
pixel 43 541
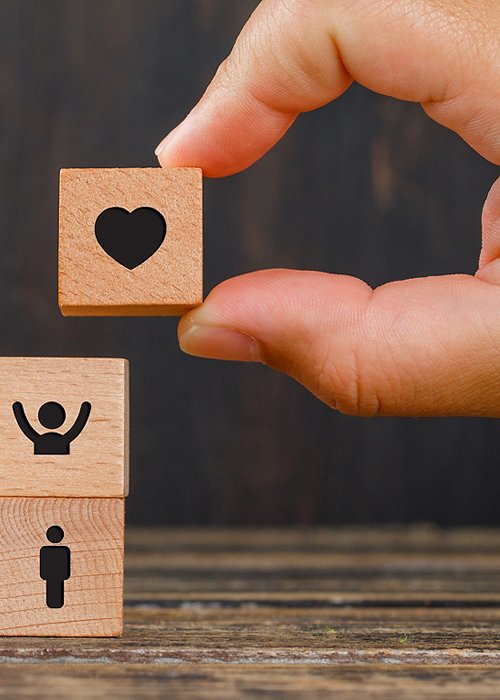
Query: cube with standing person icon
pixel 63 481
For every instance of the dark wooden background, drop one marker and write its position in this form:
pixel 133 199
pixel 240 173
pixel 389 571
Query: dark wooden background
pixel 366 186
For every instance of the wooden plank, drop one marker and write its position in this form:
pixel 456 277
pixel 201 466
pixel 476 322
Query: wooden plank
pixel 198 633
pixel 130 241
pixel 70 585
pixel 91 463
pixel 219 682
pixel 339 566
pixel 351 539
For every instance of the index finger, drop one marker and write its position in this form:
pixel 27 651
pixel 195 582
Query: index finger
pixel 293 56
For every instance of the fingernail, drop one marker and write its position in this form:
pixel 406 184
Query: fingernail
pixel 164 143
pixel 219 344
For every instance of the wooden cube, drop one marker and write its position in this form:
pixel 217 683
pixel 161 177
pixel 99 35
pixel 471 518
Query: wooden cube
pixel 64 427
pixel 130 241
pixel 61 566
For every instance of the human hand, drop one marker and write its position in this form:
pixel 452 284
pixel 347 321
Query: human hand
pixel 416 347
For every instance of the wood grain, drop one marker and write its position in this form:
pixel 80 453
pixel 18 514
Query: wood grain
pixel 212 681
pixel 303 613
pixel 98 463
pixel 91 283
pixel 93 531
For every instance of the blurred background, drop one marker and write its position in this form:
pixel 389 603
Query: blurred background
pixel 366 186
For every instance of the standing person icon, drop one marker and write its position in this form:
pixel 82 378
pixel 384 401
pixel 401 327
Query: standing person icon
pixel 55 567
pixel 51 415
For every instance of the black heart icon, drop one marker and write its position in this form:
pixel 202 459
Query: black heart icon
pixel 130 238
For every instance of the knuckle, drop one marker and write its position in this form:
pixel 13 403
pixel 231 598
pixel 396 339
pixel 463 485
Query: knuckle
pixel 348 385
pixel 223 76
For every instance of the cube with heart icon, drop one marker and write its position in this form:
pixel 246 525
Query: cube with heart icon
pixel 130 241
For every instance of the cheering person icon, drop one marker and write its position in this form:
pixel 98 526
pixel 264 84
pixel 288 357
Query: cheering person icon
pixel 52 415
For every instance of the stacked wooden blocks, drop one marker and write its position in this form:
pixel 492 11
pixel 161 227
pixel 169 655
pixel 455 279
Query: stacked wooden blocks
pixel 130 243
pixel 63 481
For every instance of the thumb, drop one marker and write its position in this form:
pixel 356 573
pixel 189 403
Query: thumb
pixel 418 347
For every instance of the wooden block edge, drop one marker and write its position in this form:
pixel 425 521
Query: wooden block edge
pixel 133 310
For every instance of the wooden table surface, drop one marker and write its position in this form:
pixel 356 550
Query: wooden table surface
pixel 225 614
